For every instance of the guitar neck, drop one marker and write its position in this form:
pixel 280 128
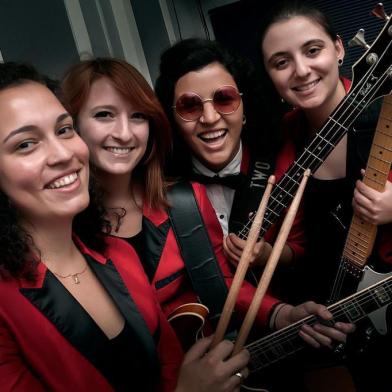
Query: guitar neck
pixel 279 345
pixel 361 236
pixel 313 156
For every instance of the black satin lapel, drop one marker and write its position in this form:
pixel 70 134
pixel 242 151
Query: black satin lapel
pixel 112 281
pixel 154 241
pixel 69 317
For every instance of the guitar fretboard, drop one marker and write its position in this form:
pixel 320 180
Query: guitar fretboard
pixel 361 236
pixel 279 345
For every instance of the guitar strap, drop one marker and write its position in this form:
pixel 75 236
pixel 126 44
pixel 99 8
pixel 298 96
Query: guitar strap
pixel 247 198
pixel 197 251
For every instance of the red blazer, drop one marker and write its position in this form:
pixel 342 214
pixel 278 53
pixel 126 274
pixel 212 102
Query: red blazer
pixel 41 348
pixel 172 284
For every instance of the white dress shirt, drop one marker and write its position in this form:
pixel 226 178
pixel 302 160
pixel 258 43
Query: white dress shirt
pixel 221 197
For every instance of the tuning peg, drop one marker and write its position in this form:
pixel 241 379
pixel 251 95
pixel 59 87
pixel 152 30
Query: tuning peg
pixel 379 12
pixel 359 39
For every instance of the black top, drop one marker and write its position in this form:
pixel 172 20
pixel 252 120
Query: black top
pixel 328 213
pixel 136 242
pixel 117 354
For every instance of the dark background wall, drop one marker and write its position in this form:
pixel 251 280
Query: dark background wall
pixel 236 25
pixel 38 32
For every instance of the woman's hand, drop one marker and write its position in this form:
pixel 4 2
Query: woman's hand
pixel 214 370
pixel 319 334
pixel 373 206
pixel 234 246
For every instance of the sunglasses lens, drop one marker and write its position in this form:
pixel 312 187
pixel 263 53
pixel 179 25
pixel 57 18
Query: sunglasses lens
pixel 189 106
pixel 227 100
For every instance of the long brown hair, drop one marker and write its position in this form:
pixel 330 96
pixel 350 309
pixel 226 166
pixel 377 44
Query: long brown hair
pixel 129 82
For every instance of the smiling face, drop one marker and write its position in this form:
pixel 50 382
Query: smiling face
pixel 302 61
pixel 214 138
pixel 43 162
pixel 115 132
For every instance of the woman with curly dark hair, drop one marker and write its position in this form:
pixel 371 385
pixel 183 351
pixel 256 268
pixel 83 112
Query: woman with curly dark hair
pixel 77 311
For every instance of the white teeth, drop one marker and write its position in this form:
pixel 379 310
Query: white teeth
pixel 119 150
pixel 64 181
pixel 213 135
pixel 306 86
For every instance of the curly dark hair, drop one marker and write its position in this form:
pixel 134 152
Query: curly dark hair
pixel 261 129
pixel 16 244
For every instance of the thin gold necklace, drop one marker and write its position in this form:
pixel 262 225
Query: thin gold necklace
pixel 74 276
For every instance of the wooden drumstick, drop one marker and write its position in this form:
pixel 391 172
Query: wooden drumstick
pixel 242 266
pixel 270 266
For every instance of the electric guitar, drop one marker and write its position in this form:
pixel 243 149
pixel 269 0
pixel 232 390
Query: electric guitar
pixel 372 79
pixel 361 235
pixel 368 302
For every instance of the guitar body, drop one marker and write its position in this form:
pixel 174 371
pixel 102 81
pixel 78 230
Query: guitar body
pixel 378 317
pixel 188 323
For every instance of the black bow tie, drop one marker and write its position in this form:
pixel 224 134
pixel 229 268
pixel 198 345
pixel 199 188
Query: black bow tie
pixel 233 181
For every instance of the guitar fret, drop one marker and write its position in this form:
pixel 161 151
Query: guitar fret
pixel 380 159
pixel 290 178
pixel 357 246
pixel 284 190
pixel 356 104
pixel 374 180
pixel 382 147
pixel 314 155
pixel 324 140
pixel 380 171
pixel 352 311
pixel 364 238
pixel 301 167
pixel 272 211
pixel 383 133
pixel 277 201
pixel 340 125
pixel 381 295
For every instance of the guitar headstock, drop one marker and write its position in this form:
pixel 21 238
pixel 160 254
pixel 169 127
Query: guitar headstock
pixel 372 73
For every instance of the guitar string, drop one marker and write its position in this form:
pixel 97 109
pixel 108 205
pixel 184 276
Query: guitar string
pixel 266 347
pixel 291 332
pixel 361 299
pixel 243 233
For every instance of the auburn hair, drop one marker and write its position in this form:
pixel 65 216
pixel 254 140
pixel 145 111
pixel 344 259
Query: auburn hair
pixel 130 83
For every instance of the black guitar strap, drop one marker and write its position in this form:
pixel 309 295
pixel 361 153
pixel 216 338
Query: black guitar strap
pixel 247 198
pixel 196 250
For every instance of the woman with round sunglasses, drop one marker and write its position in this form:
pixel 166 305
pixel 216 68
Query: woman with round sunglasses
pixel 76 311
pixel 213 101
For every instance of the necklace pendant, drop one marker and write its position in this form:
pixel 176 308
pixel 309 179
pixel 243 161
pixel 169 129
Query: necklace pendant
pixel 75 278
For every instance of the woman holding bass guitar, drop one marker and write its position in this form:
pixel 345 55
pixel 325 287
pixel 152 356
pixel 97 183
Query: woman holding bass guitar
pixel 302 55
